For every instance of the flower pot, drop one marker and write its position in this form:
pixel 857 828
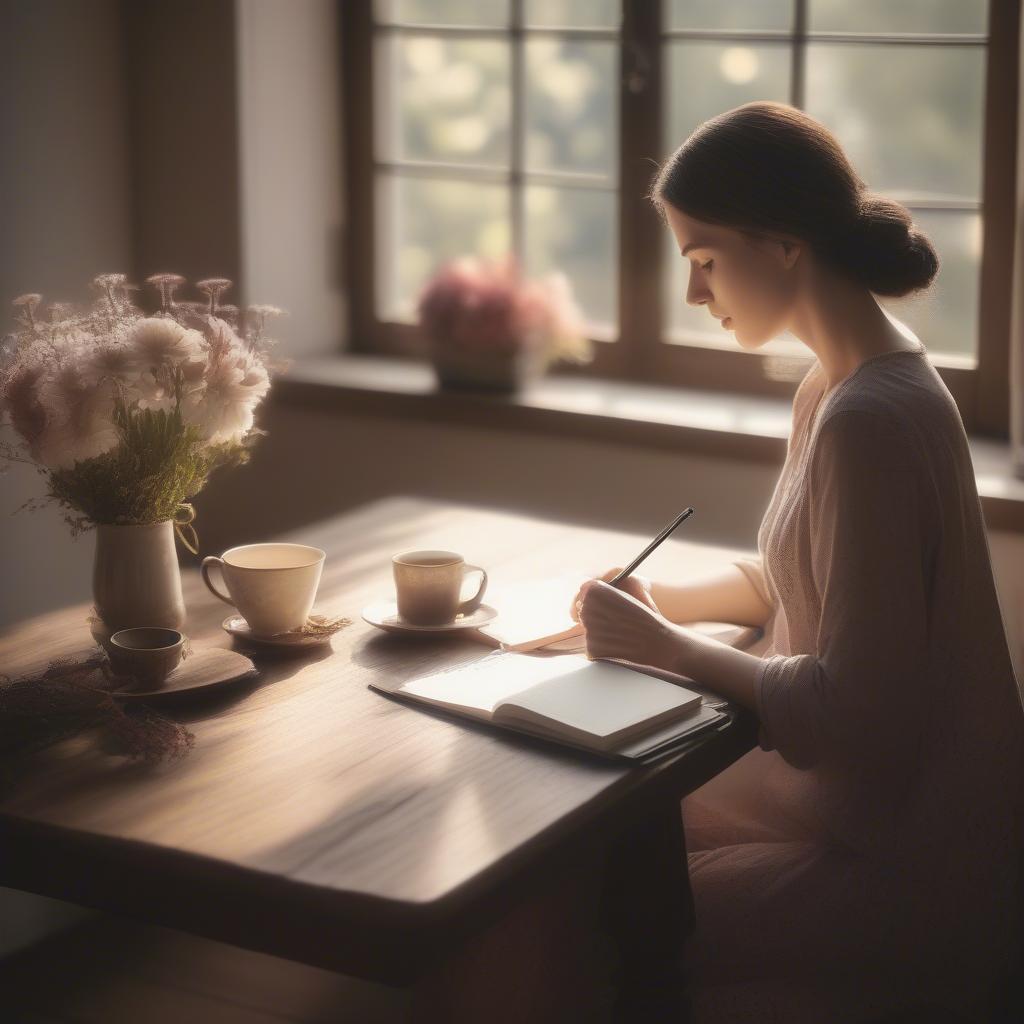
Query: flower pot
pixel 136 580
pixel 467 369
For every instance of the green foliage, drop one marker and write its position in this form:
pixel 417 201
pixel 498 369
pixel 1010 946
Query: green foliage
pixel 160 462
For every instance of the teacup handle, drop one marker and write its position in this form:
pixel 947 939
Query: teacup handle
pixel 473 603
pixel 204 570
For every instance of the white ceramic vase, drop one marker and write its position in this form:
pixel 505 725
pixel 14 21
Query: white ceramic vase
pixel 136 580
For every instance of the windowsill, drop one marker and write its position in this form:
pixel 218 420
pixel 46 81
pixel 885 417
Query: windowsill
pixel 724 425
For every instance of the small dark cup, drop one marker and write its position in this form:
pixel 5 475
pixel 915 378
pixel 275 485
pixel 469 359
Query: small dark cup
pixel 147 653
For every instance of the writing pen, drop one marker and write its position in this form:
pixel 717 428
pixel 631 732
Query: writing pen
pixel 619 577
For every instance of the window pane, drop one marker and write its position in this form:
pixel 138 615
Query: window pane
pixel 918 16
pixel 571 106
pixel 421 223
pixel 736 14
pixel 443 12
pixel 909 117
pixel 945 317
pixel 443 99
pixel 574 13
pixel 574 230
pixel 706 79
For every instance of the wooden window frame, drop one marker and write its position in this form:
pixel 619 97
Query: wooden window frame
pixel 981 391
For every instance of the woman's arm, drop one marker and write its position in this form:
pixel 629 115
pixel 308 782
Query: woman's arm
pixel 858 700
pixel 722 595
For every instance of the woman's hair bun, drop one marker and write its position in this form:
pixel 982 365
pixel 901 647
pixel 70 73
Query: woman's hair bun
pixel 770 168
pixel 886 251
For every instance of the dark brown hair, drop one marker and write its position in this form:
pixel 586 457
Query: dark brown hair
pixel 769 167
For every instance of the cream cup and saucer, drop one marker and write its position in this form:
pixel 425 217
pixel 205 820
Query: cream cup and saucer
pixel 273 586
pixel 428 595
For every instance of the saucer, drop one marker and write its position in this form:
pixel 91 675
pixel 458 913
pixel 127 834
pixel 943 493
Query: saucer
pixel 384 615
pixel 204 670
pixel 238 627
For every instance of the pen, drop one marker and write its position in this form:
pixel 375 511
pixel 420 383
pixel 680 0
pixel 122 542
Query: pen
pixel 617 579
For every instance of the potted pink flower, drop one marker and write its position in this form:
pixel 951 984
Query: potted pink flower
pixel 126 415
pixel 489 329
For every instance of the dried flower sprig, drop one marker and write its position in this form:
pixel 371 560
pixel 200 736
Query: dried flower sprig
pixel 27 304
pixel 128 414
pixel 483 305
pixel 74 695
pixel 323 625
pixel 212 288
pixel 168 284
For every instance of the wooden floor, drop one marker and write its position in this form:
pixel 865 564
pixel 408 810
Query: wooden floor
pixel 111 971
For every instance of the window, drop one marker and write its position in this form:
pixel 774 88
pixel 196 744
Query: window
pixel 533 126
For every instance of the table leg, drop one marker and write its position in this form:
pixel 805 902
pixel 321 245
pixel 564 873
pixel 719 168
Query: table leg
pixel 648 909
pixel 547 961
pixel 602 941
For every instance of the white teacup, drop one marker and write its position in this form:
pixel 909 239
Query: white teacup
pixel 428 586
pixel 272 585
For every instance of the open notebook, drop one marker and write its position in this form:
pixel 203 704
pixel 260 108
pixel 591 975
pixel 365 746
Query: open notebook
pixel 601 706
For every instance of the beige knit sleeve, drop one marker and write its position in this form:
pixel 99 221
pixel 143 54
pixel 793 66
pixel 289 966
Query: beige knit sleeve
pixel 857 698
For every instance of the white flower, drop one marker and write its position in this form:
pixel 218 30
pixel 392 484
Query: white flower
pixel 160 340
pixel 112 361
pixel 224 343
pixel 79 420
pixel 68 347
pixel 163 348
pixel 224 409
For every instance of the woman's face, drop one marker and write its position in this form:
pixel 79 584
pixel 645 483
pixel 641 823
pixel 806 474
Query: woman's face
pixel 748 283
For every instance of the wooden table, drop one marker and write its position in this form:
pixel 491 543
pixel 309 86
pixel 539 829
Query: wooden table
pixel 319 821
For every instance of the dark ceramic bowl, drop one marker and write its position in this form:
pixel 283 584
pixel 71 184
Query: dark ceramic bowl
pixel 147 653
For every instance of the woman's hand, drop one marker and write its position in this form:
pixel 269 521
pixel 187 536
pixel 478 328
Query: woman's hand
pixel 621 625
pixel 627 624
pixel 638 586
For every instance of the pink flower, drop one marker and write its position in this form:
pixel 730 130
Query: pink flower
pixel 79 420
pixel 487 306
pixel 20 394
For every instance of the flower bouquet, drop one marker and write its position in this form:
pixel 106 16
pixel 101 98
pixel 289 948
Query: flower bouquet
pixel 489 329
pixel 126 415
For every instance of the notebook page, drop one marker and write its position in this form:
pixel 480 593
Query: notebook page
pixel 483 684
pixel 535 608
pixel 652 743
pixel 600 698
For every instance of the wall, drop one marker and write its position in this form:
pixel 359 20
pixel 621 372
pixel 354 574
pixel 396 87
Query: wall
pixel 291 169
pixel 181 62
pixel 65 196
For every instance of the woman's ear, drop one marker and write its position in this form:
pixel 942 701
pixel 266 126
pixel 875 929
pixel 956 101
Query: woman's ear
pixel 791 249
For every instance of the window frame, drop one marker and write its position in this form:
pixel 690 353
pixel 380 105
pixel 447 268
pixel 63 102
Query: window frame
pixel 981 391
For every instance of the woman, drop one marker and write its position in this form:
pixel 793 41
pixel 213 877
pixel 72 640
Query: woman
pixel 864 855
